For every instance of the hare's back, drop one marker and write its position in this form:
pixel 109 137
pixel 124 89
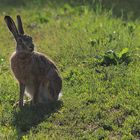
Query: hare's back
pixel 41 64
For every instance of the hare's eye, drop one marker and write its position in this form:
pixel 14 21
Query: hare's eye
pixel 30 39
pixel 20 40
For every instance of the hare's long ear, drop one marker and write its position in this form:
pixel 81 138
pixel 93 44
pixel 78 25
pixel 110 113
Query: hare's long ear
pixel 20 27
pixel 11 25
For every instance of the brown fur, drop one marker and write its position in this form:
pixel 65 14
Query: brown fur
pixel 35 72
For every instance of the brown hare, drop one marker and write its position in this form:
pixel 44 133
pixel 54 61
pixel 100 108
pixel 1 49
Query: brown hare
pixel 37 75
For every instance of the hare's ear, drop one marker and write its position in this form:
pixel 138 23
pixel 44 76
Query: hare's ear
pixel 11 25
pixel 20 27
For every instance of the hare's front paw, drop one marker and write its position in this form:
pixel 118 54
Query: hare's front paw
pixel 18 104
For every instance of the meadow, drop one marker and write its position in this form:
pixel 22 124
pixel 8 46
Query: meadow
pixel 96 46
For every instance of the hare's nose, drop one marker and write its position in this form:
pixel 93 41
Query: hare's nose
pixel 31 47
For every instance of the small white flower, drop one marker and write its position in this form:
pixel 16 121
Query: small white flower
pixel 2 59
pixel 114 32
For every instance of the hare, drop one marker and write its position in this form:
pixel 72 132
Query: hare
pixel 37 75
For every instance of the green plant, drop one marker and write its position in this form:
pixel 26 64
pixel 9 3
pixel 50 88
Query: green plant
pixel 112 58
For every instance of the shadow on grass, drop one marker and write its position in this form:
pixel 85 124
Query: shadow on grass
pixel 30 117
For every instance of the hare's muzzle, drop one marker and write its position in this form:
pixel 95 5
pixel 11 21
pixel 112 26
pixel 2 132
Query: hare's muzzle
pixel 31 47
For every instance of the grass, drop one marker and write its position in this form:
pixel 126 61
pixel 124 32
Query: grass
pixel 99 101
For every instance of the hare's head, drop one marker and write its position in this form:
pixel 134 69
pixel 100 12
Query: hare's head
pixel 24 42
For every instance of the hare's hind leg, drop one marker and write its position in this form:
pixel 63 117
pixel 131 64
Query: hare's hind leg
pixel 24 102
pixel 55 86
pixel 35 98
pixel 49 90
pixel 44 96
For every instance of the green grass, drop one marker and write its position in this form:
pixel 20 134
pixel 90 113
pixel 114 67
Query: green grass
pixel 99 101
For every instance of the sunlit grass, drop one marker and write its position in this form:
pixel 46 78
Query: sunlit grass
pixel 99 101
